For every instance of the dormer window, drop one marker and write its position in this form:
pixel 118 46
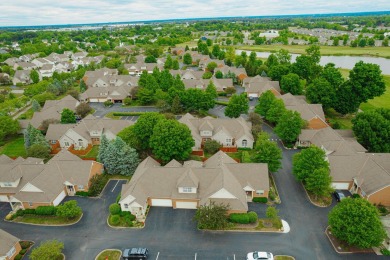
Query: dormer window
pixel 187 189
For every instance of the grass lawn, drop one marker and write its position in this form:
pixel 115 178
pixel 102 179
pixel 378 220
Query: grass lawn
pixel 110 254
pixel 325 50
pixel 14 147
pixel 27 115
pixel 111 115
pixel 379 102
pixel 93 153
pixel 283 257
pixel 46 220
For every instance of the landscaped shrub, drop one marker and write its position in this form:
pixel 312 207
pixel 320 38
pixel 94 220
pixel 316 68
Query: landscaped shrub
pixel 29 211
pixel 45 210
pixel 82 193
pixel 128 113
pixel 23 251
pixel 128 220
pixel 252 217
pixel 115 209
pixel 260 199
pixel 118 198
pixel 356 196
pixel 385 251
pixel 108 103
pixel 115 219
pixel 211 146
pixel 97 184
pixel 18 257
pixel 241 218
pixel 127 101
pixel 25 244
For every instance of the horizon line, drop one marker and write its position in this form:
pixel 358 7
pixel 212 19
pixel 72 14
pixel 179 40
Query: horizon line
pixel 196 19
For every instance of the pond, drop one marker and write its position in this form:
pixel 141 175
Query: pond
pixel 346 62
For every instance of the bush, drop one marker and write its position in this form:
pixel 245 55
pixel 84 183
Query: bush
pixel 118 198
pixel 129 220
pixel 25 244
pixel 45 210
pixel 82 193
pixel 97 184
pixel 128 113
pixel 382 209
pixel 29 211
pixel 385 251
pixel 127 101
pixel 356 196
pixel 18 257
pixel 222 94
pixel 242 218
pixel 252 217
pixel 115 219
pixel 211 146
pixel 115 209
pixel 260 200
pixel 23 251
pixel 108 103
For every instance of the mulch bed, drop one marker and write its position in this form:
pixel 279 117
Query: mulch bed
pixel 342 248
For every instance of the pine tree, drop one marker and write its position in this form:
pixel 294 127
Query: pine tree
pixel 102 148
pixel 35 105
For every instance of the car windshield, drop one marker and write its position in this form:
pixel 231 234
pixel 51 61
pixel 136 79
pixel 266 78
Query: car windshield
pixel 341 195
pixel 260 255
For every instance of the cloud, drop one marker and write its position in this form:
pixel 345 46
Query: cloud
pixel 43 12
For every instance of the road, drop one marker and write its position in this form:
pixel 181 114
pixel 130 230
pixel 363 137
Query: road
pixel 101 110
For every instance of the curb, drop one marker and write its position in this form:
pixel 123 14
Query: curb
pixel 307 194
pixel 45 225
pixel 113 227
pixel 112 249
pixel 293 258
pixel 330 240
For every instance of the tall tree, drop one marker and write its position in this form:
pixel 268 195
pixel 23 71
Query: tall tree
pixel 168 63
pixel 238 104
pixel 283 56
pixel 35 105
pixel 265 102
pixel 307 161
pixel 289 126
pixel 175 64
pixel 67 116
pixel 34 76
pixel 196 100
pixel 83 109
pixel 268 152
pixel 356 221
pixel 372 129
pixel 320 91
pixel 275 111
pixel 211 89
pixel 143 128
pixel 171 140
pixel 319 182
pixel 291 83
pixel 103 148
pixel 47 250
pixel 187 59
pixel 278 71
pixel 332 75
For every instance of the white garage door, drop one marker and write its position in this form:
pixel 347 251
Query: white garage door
pixel 186 205
pixel 59 198
pixel 162 202
pixel 340 186
pixel 253 95
pixel 3 198
pixel 93 100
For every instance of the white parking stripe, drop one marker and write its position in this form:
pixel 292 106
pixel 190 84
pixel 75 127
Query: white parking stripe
pixel 157 255
pixel 195 256
pixel 234 256
pixel 114 186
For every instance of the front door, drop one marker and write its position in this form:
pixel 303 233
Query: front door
pixel 70 189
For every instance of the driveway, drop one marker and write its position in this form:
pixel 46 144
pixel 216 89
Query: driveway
pixel 101 110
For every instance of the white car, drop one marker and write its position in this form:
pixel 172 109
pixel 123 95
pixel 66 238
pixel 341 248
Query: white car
pixel 259 255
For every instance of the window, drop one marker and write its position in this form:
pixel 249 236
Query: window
pixel 244 143
pixel 67 144
pixel 81 187
pixel 228 140
pixel 187 189
pixel 126 206
pixel 260 192
pixel 53 141
pixel 30 204
pixel 11 252
pixel 80 142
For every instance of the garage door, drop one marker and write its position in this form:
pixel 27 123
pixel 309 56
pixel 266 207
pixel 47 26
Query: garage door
pixel 254 95
pixel 3 198
pixel 59 198
pixel 93 100
pixel 162 202
pixel 340 186
pixel 186 205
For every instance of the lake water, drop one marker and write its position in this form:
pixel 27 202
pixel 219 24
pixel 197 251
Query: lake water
pixel 346 62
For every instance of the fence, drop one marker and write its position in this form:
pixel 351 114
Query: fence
pixel 80 152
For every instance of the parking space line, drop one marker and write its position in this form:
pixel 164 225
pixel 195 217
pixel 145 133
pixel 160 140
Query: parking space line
pixel 157 255
pixel 195 256
pixel 234 256
pixel 114 186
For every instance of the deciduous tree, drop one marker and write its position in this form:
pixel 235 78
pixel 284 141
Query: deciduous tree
pixel 238 104
pixel 67 116
pixel 69 210
pixel 268 152
pixel 212 216
pixel 291 83
pixel 47 250
pixel 307 161
pixel 289 126
pixel 143 128
pixel 356 221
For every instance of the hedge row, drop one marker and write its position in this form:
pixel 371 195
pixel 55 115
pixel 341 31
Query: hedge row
pixel 41 210
pixel 243 218
pixel 224 103
pixel 260 199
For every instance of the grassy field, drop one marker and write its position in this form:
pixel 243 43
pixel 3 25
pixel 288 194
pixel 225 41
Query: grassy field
pixel 14 147
pixel 110 254
pixel 325 50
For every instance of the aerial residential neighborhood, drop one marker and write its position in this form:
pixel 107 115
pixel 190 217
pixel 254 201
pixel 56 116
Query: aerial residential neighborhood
pixel 263 134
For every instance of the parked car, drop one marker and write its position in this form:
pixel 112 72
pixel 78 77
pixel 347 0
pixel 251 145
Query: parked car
pixel 259 255
pixel 338 195
pixel 135 253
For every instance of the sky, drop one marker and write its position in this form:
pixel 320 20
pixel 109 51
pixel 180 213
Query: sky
pixel 46 12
